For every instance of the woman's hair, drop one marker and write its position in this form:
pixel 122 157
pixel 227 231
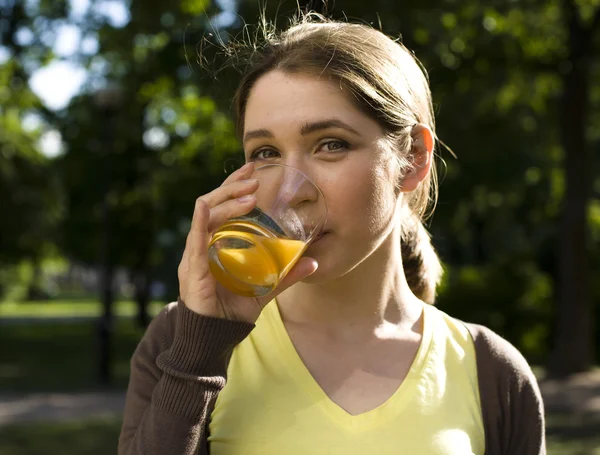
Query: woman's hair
pixel 387 83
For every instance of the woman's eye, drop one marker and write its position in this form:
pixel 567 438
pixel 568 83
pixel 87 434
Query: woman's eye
pixel 334 146
pixel 264 154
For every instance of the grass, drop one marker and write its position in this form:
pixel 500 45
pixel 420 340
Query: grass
pixel 569 434
pixel 571 446
pixel 61 356
pixel 69 308
pixel 89 437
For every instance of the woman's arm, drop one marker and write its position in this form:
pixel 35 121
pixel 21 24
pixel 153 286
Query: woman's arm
pixel 177 370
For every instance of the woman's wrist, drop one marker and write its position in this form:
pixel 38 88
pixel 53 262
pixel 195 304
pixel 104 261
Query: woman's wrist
pixel 201 342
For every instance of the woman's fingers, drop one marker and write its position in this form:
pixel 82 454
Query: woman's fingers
pixel 230 209
pixel 198 237
pixel 241 203
pixel 190 242
pixel 242 173
pixel 232 190
pixel 200 292
pixel 301 270
pixel 234 187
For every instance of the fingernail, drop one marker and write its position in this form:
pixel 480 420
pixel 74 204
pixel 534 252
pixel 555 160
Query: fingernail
pixel 246 166
pixel 247 198
pixel 249 181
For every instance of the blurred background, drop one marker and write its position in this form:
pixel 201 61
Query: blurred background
pixel 110 128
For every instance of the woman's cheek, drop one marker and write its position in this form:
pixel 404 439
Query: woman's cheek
pixel 357 193
pixel 342 204
pixel 382 200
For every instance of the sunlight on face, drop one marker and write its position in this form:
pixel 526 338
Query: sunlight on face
pixel 310 124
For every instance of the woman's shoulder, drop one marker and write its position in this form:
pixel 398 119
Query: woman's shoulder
pixel 498 354
pixel 505 376
pixel 511 401
pixel 492 350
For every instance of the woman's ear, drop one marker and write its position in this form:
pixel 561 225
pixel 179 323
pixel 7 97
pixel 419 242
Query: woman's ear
pixel 421 157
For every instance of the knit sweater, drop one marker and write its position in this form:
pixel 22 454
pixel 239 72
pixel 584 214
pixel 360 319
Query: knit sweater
pixel 180 365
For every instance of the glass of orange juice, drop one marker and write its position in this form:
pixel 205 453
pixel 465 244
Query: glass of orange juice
pixel 251 254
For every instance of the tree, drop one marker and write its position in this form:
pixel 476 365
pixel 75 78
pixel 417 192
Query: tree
pixel 574 350
pixel 29 194
pixel 131 178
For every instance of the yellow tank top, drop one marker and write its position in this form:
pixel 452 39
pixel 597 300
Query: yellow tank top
pixel 272 405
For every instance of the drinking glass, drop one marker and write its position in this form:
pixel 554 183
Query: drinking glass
pixel 251 254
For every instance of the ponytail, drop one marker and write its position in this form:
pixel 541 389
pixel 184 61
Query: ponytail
pixel 422 266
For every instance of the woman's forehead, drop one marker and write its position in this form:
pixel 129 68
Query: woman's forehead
pixel 281 98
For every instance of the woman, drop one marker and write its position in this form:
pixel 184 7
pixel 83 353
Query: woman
pixel 345 356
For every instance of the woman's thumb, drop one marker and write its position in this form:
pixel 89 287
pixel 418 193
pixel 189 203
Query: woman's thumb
pixel 301 270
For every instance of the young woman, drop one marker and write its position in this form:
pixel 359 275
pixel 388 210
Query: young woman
pixel 347 356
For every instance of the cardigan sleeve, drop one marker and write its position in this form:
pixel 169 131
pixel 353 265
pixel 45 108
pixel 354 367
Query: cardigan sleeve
pixel 177 371
pixel 511 402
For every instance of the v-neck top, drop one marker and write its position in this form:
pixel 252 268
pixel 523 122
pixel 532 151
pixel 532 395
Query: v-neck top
pixel 271 404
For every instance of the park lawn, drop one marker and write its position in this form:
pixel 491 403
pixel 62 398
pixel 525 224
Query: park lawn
pixel 573 446
pixel 573 434
pixel 69 308
pixel 87 437
pixel 61 356
pixel 99 437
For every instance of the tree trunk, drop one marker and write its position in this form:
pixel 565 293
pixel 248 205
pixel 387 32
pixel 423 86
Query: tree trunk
pixel 105 327
pixel 34 290
pixel 107 257
pixel 141 283
pixel 574 343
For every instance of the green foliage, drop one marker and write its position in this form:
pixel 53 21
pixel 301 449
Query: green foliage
pixel 29 194
pixel 194 7
pixel 511 297
pixel 16 281
pixel 161 145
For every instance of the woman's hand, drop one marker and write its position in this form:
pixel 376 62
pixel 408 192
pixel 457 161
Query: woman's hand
pixel 198 289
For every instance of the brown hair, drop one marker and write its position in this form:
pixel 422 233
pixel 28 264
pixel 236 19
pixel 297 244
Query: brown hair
pixel 387 83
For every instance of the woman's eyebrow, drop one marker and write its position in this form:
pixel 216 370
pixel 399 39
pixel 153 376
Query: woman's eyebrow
pixel 311 127
pixel 306 129
pixel 260 133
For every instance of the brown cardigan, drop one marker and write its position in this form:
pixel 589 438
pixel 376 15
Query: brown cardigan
pixel 180 366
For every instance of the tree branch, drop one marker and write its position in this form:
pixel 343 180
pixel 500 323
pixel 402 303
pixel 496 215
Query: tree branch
pixel 572 13
pixel 595 22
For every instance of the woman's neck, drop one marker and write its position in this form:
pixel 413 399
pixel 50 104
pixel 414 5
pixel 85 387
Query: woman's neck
pixel 359 305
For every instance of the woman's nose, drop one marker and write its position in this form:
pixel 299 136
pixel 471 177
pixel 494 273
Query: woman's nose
pixel 291 198
pixel 297 189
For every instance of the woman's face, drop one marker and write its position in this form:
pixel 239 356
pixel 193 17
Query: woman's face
pixel 310 124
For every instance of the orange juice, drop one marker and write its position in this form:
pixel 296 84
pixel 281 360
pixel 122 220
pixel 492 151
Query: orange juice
pixel 250 258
